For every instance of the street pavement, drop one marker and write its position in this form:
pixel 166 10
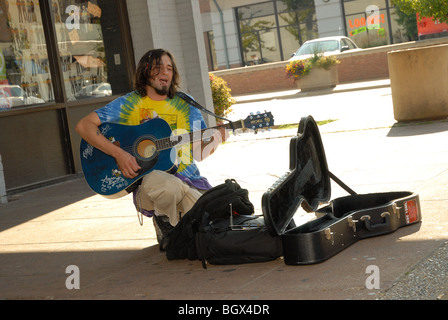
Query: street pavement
pixel 51 235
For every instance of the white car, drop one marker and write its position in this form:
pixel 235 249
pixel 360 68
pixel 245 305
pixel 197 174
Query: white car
pixel 14 96
pixel 326 46
pixel 95 90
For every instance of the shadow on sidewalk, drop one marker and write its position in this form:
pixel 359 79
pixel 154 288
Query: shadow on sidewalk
pixel 147 274
pixel 418 128
pixel 102 273
pixel 35 203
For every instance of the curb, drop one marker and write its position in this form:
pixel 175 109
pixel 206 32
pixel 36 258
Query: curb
pixel 293 94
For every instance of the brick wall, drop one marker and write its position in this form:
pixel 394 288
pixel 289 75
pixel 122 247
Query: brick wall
pixel 263 78
pixel 363 65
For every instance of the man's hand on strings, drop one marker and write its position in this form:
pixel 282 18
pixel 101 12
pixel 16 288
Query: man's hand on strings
pixel 127 164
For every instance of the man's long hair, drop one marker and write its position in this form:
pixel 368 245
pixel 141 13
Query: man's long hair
pixel 142 75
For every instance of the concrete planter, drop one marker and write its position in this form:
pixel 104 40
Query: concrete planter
pixel 419 82
pixel 318 78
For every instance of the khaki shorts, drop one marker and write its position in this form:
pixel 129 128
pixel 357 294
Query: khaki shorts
pixel 166 195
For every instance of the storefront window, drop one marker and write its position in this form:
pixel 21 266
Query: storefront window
pixel 272 31
pixel 298 24
pixel 372 23
pixel 81 48
pixel 24 69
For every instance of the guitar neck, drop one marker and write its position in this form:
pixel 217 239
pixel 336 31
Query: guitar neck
pixel 233 125
pixel 253 122
pixel 194 136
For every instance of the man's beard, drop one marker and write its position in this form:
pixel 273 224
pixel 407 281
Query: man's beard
pixel 163 92
pixel 160 91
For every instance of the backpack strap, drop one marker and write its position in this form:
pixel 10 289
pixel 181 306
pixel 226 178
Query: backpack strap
pixel 202 244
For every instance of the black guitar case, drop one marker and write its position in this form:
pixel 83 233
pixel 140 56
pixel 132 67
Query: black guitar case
pixel 340 223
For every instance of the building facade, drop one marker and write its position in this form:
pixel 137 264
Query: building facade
pixel 61 59
pixel 248 32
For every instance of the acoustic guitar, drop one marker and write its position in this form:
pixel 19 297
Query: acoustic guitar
pixel 153 144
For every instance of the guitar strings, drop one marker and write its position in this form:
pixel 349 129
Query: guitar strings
pixel 167 142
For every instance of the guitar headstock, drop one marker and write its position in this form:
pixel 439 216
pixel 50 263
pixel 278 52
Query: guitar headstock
pixel 259 120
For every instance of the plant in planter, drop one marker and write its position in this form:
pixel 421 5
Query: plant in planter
pixel 297 69
pixel 222 99
pixel 300 68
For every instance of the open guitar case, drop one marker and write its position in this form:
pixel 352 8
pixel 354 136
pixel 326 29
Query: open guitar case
pixel 340 222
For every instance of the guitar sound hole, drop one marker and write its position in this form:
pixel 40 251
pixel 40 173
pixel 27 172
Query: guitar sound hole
pixel 146 149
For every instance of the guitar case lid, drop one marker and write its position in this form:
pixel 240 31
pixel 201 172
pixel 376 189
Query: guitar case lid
pixel 306 184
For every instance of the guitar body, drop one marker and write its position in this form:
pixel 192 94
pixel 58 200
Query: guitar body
pixel 101 171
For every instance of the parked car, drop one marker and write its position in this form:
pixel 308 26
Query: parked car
pixel 95 90
pixel 14 96
pixel 326 46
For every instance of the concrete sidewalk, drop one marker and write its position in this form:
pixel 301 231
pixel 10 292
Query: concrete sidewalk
pixel 45 231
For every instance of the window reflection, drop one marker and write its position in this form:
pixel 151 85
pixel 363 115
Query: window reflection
pixel 81 48
pixel 271 31
pixel 372 23
pixel 24 71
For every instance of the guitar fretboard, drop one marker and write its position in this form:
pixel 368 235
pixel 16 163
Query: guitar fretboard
pixel 190 137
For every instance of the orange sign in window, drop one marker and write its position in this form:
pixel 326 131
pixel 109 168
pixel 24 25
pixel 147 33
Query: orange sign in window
pixel 428 26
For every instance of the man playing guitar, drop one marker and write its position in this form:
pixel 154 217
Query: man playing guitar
pixel 164 195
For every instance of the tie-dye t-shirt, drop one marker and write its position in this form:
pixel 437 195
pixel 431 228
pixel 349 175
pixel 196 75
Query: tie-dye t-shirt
pixel 133 109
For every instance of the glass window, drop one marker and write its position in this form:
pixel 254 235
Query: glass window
pixel 270 46
pixel 81 47
pixel 318 47
pixel 260 26
pixel 24 70
pixel 299 19
pixel 256 10
pixel 360 6
pixel 257 24
pixel 377 22
pixel 365 34
pixel 328 46
pixel 289 41
pixel 348 43
pixel 251 46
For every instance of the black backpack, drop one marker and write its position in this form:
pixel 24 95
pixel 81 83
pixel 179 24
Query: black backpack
pixel 242 239
pixel 214 205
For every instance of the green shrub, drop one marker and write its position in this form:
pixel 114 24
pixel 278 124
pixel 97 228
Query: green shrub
pixel 325 62
pixel 222 99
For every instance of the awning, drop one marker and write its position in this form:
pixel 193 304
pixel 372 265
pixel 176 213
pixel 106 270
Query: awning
pixel 89 61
